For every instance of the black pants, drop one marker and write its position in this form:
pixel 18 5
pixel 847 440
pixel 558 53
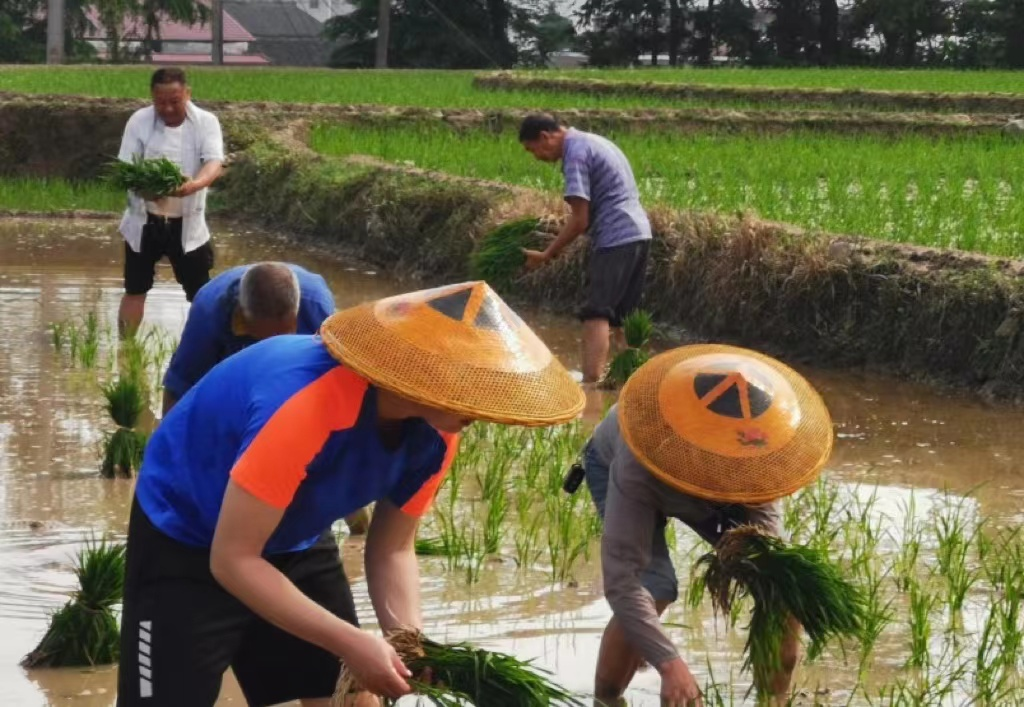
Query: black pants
pixel 162 237
pixel 615 282
pixel 180 630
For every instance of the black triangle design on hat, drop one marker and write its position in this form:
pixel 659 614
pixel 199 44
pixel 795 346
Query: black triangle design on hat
pixel 490 316
pixel 452 306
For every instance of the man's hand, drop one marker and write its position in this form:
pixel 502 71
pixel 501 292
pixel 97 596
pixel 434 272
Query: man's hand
pixel 678 686
pixel 188 189
pixel 535 258
pixel 376 666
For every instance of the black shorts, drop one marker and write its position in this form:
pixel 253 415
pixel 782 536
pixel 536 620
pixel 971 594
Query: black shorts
pixel 162 237
pixel 180 630
pixel 615 281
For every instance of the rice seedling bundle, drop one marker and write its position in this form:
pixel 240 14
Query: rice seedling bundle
pixel 122 450
pixel 84 631
pixel 782 581
pixel 153 177
pixel 499 257
pixel 463 675
pixel 637 328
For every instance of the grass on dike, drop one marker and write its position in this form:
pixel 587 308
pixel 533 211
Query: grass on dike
pixel 34 194
pixel 454 89
pixel 961 193
pixel 932 80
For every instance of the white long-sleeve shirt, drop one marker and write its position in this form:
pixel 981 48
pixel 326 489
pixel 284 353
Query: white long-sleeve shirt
pixel 201 140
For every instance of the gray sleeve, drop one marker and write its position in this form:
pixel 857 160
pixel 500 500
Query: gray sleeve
pixel 629 526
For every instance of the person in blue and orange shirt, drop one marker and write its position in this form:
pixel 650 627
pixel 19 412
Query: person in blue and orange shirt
pixel 268 450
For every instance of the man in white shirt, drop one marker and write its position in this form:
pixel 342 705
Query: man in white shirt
pixel 174 226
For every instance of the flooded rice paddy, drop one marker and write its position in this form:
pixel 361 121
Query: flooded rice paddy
pixel 894 508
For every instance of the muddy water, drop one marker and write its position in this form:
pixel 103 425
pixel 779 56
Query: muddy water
pixel 893 437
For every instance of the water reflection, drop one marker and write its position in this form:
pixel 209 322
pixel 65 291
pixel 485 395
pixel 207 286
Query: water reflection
pixel 893 437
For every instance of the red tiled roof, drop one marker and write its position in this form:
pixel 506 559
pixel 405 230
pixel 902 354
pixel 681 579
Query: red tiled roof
pixel 247 59
pixel 171 31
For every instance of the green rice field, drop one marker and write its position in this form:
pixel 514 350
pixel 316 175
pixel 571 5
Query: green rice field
pixel 454 89
pixel 960 193
pixel 58 195
pixel 945 81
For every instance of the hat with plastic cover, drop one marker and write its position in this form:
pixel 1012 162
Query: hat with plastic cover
pixel 457 348
pixel 725 424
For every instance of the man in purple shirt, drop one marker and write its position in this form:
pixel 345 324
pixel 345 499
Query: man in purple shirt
pixel 602 195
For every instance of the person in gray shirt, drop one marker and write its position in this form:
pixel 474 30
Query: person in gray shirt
pixel 712 436
pixel 604 201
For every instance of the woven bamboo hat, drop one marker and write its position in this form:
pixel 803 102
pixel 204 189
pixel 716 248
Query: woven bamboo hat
pixel 725 424
pixel 458 348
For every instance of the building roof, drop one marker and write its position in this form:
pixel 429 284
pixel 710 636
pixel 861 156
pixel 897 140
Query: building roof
pixel 134 29
pixel 267 19
pixel 229 59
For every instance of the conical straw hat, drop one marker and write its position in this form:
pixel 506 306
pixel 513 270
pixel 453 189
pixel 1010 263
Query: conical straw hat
pixel 725 424
pixel 458 348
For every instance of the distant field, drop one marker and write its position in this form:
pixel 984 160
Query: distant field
pixel 944 81
pixel 58 195
pixel 431 89
pixel 454 89
pixel 961 193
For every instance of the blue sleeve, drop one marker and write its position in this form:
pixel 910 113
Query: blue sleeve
pixel 577 173
pixel 317 306
pixel 425 469
pixel 196 354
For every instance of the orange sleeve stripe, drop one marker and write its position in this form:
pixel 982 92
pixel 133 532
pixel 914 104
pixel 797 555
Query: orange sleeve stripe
pixel 274 464
pixel 419 504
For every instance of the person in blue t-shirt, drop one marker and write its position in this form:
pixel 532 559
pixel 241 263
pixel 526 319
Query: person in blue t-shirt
pixel 239 307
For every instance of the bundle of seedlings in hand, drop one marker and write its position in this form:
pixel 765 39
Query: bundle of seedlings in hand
pixel 122 450
pixel 783 581
pixel 84 631
pixel 499 258
pixel 461 675
pixel 150 177
pixel 637 328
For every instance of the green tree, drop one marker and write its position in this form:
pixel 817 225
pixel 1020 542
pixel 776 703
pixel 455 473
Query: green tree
pixel 449 34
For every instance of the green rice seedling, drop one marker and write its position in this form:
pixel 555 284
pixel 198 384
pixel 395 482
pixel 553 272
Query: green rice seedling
pixel 568 535
pixel 990 686
pixel 904 567
pixel 782 581
pixel 499 258
pixel 74 342
pixel 527 533
pixel 494 523
pixel 878 614
pixel 84 631
pixel 125 401
pixel 122 453
pixel 431 547
pixel 638 328
pixel 464 675
pixel 149 177
pixel 59 335
pixel 1008 610
pixel 922 602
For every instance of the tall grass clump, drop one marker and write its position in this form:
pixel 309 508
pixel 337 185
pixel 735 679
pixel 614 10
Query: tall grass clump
pixel 464 675
pixel 782 581
pixel 84 631
pixel 49 194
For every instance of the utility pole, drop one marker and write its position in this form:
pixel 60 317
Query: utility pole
pixel 218 32
pixel 383 30
pixel 55 32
